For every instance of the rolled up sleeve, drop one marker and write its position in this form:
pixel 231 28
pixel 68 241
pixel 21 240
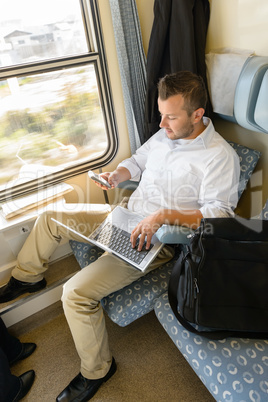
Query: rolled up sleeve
pixel 219 190
pixel 136 163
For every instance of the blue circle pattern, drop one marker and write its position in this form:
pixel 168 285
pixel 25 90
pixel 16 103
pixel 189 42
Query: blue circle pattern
pixel 248 159
pixel 264 213
pixel 138 298
pixel 85 253
pixel 233 370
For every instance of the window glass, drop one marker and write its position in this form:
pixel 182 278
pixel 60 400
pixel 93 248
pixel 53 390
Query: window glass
pixel 56 115
pixel 49 122
pixel 33 30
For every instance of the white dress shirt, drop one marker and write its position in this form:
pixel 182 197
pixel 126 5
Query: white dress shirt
pixel 182 174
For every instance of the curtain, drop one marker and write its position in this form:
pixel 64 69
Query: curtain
pixel 132 64
pixel 177 43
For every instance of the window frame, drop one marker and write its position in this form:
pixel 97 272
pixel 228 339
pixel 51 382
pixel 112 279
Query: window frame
pixel 96 56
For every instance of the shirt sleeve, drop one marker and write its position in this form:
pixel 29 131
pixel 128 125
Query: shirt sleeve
pixel 137 162
pixel 219 189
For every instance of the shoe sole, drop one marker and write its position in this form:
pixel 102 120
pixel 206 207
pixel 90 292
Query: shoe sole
pixel 37 288
pixel 33 289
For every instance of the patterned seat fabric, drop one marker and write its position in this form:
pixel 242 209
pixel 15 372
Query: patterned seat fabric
pixel 232 369
pixel 264 212
pixel 248 160
pixel 135 300
pixel 84 253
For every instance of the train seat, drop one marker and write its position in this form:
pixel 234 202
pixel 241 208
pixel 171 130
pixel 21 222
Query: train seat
pixel 137 299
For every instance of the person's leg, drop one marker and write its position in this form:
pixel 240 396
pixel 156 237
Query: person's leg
pixel 81 302
pixel 13 348
pixel 9 384
pixel 43 240
pixel 10 345
pixel 46 235
pixel 13 388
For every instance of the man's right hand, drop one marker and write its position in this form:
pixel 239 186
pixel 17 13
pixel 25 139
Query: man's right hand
pixel 117 176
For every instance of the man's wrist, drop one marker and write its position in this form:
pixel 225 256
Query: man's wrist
pixel 123 173
pixel 162 217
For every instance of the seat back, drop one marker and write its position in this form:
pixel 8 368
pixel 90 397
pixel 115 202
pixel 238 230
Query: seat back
pixel 248 158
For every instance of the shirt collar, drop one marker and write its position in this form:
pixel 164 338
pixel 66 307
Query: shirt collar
pixel 206 136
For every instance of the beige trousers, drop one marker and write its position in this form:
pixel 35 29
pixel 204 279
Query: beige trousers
pixel 83 292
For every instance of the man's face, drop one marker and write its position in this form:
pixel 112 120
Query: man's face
pixel 174 119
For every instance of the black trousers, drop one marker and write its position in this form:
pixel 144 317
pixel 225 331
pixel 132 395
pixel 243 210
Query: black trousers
pixel 10 347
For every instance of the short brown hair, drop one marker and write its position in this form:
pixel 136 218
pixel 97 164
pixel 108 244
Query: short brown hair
pixel 191 86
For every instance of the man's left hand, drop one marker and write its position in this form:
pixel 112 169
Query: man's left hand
pixel 145 229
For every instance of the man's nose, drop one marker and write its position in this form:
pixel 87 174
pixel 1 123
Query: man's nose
pixel 162 122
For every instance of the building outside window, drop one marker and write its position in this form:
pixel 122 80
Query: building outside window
pixel 56 112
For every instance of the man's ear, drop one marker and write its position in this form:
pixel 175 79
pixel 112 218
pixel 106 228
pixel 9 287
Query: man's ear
pixel 198 114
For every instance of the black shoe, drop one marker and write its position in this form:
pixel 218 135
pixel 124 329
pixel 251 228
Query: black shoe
pixel 26 351
pixel 26 381
pixel 15 288
pixel 81 389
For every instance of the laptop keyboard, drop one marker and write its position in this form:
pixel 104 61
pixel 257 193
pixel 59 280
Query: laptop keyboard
pixel 119 240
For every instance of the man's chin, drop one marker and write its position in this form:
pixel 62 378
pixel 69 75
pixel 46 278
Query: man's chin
pixel 170 134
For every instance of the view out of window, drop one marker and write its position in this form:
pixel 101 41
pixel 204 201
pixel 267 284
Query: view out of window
pixel 55 108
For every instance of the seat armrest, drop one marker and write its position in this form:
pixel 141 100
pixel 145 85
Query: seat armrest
pixel 170 234
pixel 129 185
pixel 167 234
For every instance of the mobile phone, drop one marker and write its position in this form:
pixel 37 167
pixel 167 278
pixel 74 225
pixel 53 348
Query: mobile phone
pixel 98 179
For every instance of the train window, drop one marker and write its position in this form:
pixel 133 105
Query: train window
pixel 56 114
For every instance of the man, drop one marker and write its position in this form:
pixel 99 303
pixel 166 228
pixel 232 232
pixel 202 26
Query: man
pixel 13 388
pixel 186 170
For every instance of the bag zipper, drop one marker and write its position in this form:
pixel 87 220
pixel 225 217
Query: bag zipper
pixel 196 288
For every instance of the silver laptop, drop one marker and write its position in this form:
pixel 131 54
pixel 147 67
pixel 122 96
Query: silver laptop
pixel 113 235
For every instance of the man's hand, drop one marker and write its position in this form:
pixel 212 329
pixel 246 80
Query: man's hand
pixel 149 225
pixel 114 178
pixel 145 229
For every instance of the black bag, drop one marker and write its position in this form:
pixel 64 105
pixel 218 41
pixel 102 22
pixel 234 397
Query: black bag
pixel 220 280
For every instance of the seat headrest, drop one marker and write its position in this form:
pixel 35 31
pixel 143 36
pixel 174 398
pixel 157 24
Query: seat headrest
pixel 251 95
pixel 261 108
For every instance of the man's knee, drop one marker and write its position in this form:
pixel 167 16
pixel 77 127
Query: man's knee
pixel 45 218
pixel 74 294
pixel 68 292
